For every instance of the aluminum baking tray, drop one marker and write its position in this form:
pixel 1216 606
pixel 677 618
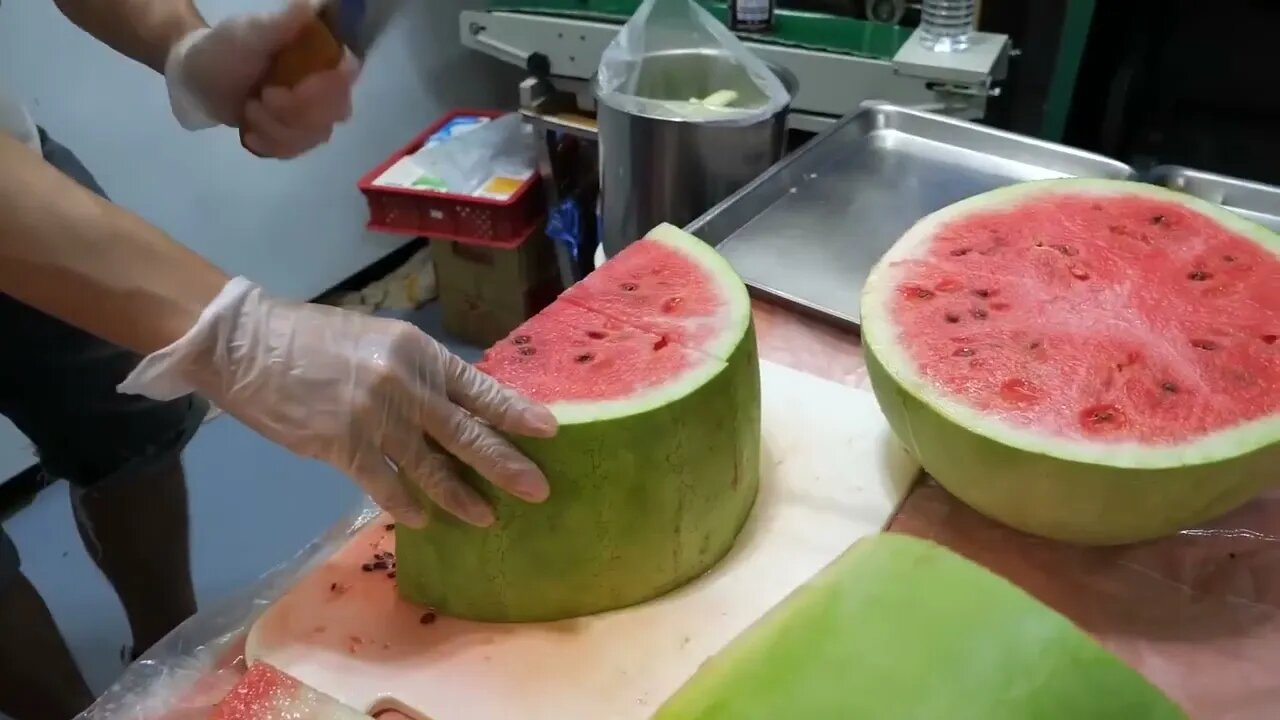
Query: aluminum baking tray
pixel 1256 201
pixel 810 228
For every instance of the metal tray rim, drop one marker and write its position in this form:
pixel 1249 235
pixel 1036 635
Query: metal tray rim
pixel 873 107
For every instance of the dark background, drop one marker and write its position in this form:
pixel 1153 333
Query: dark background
pixel 1185 82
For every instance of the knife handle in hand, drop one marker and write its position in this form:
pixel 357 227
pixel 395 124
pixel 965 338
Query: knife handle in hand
pixel 314 49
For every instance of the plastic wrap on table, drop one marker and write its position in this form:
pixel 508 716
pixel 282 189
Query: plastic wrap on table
pixel 739 88
pixel 185 675
pixel 1198 613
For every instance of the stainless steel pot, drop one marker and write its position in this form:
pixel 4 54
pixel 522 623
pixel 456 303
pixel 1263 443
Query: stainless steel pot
pixel 656 169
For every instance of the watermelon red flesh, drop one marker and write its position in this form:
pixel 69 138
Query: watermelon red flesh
pixel 1104 319
pixel 266 693
pixel 569 354
pixel 653 286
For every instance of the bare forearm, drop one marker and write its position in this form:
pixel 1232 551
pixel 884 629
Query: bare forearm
pixel 141 29
pixel 92 264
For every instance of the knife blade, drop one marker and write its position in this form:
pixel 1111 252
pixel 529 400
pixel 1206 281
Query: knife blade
pixel 338 26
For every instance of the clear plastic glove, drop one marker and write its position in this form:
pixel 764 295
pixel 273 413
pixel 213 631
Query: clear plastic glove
pixel 358 392
pixel 214 76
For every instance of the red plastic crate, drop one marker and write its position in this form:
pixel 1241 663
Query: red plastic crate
pixel 463 218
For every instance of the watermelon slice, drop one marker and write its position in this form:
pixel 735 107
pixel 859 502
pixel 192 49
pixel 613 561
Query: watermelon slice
pixel 266 693
pixel 899 627
pixel 650 366
pixel 1093 361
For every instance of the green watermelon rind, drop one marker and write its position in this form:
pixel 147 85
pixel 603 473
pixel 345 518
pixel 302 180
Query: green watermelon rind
pixel 607 537
pixel 1051 486
pixel 899 627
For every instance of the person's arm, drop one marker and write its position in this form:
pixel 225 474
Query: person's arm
pixel 92 264
pixel 144 30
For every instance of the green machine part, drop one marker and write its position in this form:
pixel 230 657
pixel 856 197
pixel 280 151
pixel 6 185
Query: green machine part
pixel 850 36
pixel 796 28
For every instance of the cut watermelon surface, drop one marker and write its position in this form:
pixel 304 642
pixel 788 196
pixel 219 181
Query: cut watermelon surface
pixel 587 365
pixel 1090 360
pixel 657 289
pixel 899 627
pixel 266 693
pixel 650 366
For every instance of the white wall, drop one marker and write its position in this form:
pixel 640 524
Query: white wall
pixel 296 227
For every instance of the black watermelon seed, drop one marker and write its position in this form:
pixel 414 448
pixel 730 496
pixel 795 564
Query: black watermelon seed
pixel 1169 387
pixel 982 292
pixel 630 287
pixel 1204 344
pixel 521 339
pixel 427 618
pixel 1269 339
pixel 527 350
pixel 596 335
pixel 1199 275
pixel 585 358
pixel 1228 258
pixel 951 317
pixel 1157 219
pixel 924 294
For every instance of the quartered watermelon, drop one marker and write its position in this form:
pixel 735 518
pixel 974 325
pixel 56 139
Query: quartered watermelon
pixel 900 628
pixel 650 366
pixel 266 693
pixel 1090 360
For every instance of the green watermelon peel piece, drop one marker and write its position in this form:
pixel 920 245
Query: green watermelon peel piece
pixel 901 628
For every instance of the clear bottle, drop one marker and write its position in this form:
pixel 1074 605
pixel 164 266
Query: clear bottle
pixel 945 25
pixel 751 16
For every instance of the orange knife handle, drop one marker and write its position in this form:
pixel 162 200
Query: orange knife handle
pixel 313 50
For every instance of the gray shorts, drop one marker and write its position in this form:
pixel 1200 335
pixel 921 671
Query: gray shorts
pixel 58 385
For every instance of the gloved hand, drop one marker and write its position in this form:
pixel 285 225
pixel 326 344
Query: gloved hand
pixel 354 391
pixel 214 74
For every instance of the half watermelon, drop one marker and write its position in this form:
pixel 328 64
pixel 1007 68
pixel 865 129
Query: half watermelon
pixel 1089 360
pixel 650 366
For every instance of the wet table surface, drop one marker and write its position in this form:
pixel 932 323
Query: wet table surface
pixel 1198 613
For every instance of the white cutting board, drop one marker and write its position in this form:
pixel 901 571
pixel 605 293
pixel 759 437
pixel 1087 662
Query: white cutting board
pixel 832 474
